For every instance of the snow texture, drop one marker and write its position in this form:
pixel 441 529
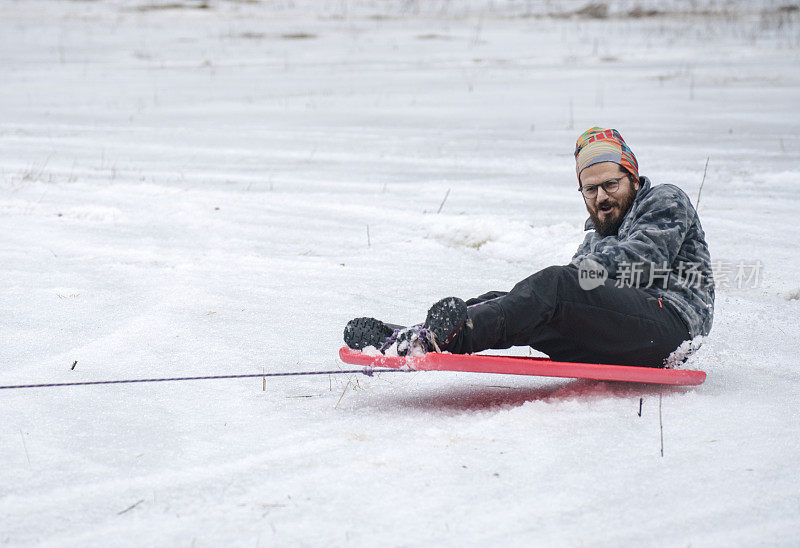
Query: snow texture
pixel 201 188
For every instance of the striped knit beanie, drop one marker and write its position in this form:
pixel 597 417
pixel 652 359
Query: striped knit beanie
pixel 603 145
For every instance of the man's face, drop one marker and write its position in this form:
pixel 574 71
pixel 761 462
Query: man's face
pixel 608 209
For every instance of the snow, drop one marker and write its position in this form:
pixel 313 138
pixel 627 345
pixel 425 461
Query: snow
pixel 187 192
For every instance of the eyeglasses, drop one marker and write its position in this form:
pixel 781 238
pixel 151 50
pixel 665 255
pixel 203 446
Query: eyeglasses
pixel 610 187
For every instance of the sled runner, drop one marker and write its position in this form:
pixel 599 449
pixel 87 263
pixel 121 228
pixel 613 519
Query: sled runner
pixel 517 365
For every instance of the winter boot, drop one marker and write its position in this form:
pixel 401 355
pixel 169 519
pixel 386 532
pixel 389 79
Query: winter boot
pixel 363 332
pixel 445 321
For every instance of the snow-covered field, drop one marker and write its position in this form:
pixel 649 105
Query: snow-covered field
pixel 208 191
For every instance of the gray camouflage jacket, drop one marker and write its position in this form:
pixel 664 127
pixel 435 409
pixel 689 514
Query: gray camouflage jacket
pixel 660 247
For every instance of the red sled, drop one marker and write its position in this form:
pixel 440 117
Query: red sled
pixel 520 365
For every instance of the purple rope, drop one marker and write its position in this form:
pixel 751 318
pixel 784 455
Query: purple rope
pixel 410 334
pixel 366 371
pixel 390 341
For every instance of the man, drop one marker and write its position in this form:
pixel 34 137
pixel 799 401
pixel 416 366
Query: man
pixel 639 285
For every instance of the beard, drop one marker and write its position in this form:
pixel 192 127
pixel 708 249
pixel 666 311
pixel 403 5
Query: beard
pixel 610 222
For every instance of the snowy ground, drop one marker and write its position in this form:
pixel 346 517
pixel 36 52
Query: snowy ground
pixel 188 191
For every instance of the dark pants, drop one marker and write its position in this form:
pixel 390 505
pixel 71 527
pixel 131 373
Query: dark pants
pixel 550 312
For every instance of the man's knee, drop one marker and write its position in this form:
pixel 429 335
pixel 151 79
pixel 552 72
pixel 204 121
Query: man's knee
pixel 553 280
pixel 546 288
pixel 560 273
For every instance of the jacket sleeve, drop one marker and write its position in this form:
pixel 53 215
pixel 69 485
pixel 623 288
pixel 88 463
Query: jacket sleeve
pixel 655 237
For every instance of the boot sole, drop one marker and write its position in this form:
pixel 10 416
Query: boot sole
pixel 446 318
pixel 363 332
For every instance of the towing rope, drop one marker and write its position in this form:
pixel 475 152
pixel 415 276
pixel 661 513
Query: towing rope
pixel 366 371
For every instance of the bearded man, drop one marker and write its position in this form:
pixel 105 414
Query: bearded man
pixel 639 285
